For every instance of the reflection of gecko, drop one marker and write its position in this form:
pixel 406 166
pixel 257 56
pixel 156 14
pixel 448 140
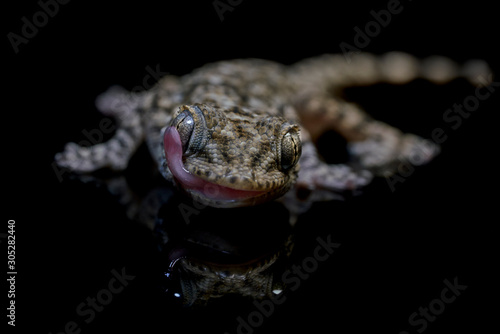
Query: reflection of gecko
pixel 235 132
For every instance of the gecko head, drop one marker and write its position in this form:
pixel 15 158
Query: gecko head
pixel 230 157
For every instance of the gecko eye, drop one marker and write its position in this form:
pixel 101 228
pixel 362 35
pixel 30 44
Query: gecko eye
pixel 291 149
pixel 184 124
pixel 191 125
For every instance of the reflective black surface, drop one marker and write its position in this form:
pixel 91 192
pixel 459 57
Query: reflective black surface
pixel 218 253
pixel 85 267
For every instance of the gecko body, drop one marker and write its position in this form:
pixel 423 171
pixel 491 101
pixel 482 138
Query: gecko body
pixel 243 132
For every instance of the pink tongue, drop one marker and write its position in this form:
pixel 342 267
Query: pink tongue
pixel 173 152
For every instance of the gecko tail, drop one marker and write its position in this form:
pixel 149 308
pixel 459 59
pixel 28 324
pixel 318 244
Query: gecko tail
pixel 400 68
pixel 337 71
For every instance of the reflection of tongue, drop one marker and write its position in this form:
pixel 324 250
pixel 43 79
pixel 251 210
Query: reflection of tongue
pixel 173 152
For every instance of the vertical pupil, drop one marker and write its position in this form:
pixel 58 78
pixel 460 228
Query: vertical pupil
pixel 185 126
pixel 288 151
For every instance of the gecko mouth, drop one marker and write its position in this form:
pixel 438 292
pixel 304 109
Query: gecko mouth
pixel 191 183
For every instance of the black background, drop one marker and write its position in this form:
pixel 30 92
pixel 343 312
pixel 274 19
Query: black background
pixel 396 247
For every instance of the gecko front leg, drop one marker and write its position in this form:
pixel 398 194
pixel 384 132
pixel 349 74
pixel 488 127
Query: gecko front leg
pixel 386 147
pixel 116 152
pixel 316 175
pixel 319 181
pixel 373 145
pixel 376 149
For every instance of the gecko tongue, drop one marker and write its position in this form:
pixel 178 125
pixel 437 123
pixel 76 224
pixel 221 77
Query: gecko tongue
pixel 173 153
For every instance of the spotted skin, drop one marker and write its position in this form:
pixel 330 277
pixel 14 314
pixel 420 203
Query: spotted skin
pixel 250 125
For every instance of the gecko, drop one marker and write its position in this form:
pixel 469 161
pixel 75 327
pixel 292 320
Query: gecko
pixel 243 132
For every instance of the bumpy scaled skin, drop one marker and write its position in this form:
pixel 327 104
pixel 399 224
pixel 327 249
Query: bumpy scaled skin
pixel 241 132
